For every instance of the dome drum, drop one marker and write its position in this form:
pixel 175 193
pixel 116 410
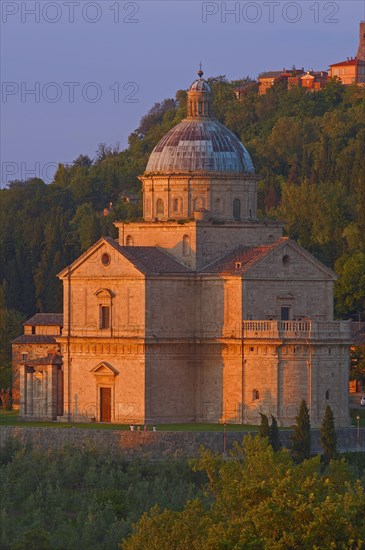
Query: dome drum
pixel 196 163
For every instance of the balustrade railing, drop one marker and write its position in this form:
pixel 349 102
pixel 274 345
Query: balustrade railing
pixel 300 329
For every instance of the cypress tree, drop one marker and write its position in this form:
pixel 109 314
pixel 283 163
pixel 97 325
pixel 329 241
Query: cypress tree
pixel 328 435
pixel 301 437
pixel 274 435
pixel 264 428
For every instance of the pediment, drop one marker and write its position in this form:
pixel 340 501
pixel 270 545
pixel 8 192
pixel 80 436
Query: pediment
pixel 103 369
pixel 290 259
pixel 92 263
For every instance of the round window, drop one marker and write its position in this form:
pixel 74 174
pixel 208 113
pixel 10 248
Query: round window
pixel 105 259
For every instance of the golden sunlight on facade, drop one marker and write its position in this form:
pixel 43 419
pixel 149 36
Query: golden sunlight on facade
pixel 200 313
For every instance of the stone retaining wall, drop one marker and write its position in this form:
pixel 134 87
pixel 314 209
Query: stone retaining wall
pixel 156 445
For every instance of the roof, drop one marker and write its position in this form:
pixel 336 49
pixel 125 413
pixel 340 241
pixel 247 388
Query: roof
pixel 246 257
pixel 151 260
pixel 53 359
pixel 200 145
pixel 200 85
pixel 46 319
pixel 353 61
pixel 35 339
pixel 315 74
pixel 271 74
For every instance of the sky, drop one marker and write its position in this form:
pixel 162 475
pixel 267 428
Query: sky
pixel 76 73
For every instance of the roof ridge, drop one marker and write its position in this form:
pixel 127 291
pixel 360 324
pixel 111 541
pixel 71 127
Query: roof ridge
pixel 243 248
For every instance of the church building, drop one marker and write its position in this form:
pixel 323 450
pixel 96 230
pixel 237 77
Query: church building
pixel 200 313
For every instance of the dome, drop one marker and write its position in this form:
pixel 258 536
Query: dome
pixel 200 145
pixel 200 85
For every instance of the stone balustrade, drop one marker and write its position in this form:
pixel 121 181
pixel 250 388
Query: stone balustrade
pixel 308 330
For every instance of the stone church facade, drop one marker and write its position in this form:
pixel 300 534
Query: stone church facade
pixel 200 313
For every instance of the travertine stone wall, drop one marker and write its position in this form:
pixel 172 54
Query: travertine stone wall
pixel 157 445
pixel 178 196
pixel 207 242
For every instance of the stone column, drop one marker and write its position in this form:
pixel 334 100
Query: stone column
pixel 23 389
pixel 29 410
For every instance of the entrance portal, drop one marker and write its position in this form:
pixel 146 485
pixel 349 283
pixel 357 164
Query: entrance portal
pixel 105 404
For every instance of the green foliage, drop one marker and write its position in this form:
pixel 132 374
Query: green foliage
pixel 10 327
pixel 270 432
pixel 301 438
pixel 34 539
pixel 357 368
pixel 261 499
pixel 274 435
pixel 68 498
pixel 264 429
pixel 350 288
pixel 328 436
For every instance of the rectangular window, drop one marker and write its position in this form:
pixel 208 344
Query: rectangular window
pixel 284 313
pixel 33 330
pixel 24 356
pixel 104 317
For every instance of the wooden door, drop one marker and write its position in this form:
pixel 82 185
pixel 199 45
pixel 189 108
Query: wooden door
pixel 105 404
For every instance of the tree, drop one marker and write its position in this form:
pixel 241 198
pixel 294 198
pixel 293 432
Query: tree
pixel 34 539
pixel 274 434
pixel 350 287
pixel 301 439
pixel 264 428
pixel 328 436
pixel 261 499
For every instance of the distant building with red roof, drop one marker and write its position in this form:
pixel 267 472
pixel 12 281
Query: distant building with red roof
pixel 352 71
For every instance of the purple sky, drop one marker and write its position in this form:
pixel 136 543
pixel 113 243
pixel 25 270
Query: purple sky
pixel 156 47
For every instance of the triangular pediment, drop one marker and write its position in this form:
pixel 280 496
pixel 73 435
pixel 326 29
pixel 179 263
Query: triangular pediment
pixel 103 259
pixel 297 260
pixel 104 369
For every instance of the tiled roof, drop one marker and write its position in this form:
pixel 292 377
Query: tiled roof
pixel 347 62
pixel 48 360
pixel 201 145
pixel 271 74
pixel 46 319
pixel 242 259
pixel 151 260
pixel 34 339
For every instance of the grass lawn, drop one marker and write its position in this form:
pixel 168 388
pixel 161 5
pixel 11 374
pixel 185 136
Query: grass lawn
pixel 10 418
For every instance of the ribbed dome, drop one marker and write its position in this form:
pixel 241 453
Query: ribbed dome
pixel 200 145
pixel 200 85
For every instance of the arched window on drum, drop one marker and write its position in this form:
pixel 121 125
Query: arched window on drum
pixel 159 208
pixel 186 246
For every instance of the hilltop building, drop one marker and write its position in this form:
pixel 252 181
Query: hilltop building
pixel 295 78
pixel 352 71
pixel 200 313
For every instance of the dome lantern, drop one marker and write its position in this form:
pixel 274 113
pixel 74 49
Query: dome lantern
pixel 200 101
